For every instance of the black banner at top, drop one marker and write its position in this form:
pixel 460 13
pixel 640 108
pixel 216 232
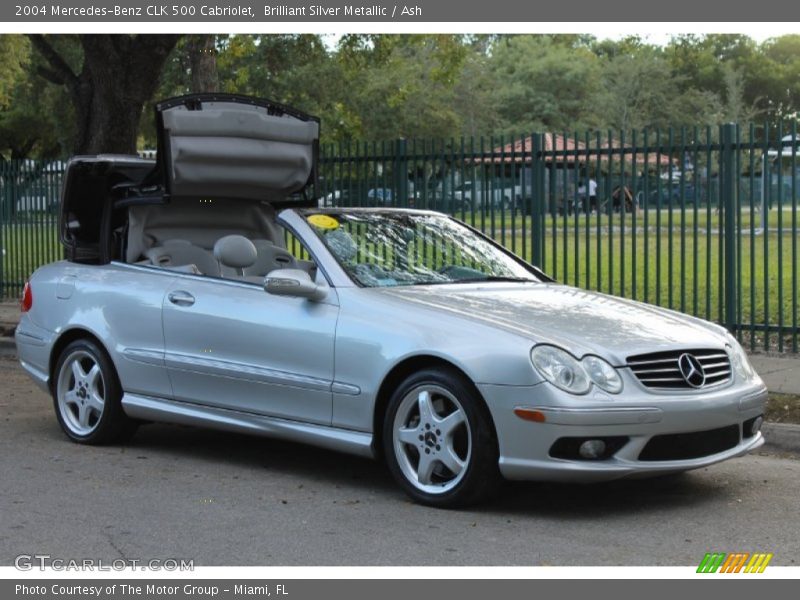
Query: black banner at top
pixel 380 11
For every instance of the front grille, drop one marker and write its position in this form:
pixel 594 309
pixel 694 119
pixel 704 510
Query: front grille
pixel 685 446
pixel 660 370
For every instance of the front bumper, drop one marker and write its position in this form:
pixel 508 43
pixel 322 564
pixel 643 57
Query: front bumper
pixel 525 446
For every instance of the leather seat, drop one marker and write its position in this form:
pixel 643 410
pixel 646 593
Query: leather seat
pixel 268 258
pixel 180 253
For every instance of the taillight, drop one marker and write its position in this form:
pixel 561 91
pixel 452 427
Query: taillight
pixel 27 298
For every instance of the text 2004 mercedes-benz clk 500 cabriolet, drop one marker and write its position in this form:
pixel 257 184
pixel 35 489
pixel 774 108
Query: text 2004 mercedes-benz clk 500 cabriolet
pixel 207 288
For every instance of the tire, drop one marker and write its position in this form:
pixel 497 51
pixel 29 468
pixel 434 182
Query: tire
pixel 87 396
pixel 439 441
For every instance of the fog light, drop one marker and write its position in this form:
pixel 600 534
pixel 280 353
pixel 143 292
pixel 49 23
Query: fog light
pixel 755 427
pixel 592 449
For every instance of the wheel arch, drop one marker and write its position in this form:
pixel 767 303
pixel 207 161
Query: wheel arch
pixel 65 339
pixel 395 377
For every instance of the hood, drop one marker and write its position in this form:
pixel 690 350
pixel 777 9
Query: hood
pixel 579 321
pixel 230 146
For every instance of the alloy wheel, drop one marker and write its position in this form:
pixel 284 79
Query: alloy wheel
pixel 81 393
pixel 431 439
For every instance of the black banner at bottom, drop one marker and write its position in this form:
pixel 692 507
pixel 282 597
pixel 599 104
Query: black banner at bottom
pixel 387 589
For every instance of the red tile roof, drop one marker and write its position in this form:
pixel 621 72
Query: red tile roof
pixel 554 144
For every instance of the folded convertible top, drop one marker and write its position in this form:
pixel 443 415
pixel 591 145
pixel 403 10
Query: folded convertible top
pixel 229 146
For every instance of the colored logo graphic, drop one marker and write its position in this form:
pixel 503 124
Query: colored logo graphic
pixel 735 562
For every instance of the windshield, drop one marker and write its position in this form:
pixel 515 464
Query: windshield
pixel 391 249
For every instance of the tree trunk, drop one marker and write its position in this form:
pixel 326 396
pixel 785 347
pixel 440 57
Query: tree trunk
pixel 203 63
pixel 119 76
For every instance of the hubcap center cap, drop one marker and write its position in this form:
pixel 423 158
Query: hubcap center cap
pixel 430 439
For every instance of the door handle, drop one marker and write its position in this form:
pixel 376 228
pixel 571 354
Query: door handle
pixel 181 298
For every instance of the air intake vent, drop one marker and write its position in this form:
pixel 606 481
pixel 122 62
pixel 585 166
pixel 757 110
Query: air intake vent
pixel 686 446
pixel 682 369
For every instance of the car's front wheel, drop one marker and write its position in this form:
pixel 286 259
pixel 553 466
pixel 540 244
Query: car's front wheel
pixel 87 395
pixel 439 440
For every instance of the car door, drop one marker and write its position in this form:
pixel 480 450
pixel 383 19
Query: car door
pixel 231 345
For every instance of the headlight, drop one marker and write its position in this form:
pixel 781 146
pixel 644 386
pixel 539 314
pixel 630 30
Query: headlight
pixel 561 369
pixel 602 374
pixel 739 361
pixel 575 376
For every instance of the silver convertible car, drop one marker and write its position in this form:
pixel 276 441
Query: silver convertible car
pixel 206 288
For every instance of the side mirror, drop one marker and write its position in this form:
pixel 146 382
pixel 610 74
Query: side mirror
pixel 294 282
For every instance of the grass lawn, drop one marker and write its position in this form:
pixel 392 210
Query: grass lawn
pixel 706 219
pixel 25 247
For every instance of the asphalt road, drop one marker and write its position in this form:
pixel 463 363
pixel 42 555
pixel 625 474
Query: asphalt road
pixel 222 499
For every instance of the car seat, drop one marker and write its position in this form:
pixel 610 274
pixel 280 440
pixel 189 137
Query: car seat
pixel 180 253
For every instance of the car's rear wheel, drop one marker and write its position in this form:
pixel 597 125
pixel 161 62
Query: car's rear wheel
pixel 87 395
pixel 439 440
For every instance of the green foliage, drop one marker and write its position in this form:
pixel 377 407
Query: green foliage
pixel 36 119
pixel 15 51
pixel 384 87
pixel 402 86
pixel 543 83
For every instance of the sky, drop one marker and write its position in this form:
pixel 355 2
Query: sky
pixel 757 32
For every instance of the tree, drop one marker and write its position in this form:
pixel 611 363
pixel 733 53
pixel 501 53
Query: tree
pixel 35 122
pixel 543 84
pixel 405 85
pixel 475 88
pixel 639 90
pixel 777 79
pixel 115 77
pixel 191 67
pixel 203 63
pixel 735 107
pixel 16 55
pixel 732 68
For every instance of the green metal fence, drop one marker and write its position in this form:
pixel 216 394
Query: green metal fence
pixel 29 198
pixel 701 220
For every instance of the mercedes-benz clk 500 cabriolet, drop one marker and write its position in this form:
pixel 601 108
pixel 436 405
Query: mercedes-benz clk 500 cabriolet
pixel 206 288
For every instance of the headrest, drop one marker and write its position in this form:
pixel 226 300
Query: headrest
pixel 235 251
pixel 342 244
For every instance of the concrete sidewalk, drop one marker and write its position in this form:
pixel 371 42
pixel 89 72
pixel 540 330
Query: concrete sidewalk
pixel 781 373
pixel 9 315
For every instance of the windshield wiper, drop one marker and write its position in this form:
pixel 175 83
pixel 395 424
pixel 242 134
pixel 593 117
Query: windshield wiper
pixel 494 278
pixel 490 278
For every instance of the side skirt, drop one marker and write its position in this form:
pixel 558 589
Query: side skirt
pixel 184 413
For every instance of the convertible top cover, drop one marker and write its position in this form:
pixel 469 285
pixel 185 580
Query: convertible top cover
pixel 229 146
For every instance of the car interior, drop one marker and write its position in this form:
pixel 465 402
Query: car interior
pixel 227 239
pixel 206 205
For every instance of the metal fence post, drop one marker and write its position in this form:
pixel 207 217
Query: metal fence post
pixel 537 198
pixel 401 173
pixel 728 190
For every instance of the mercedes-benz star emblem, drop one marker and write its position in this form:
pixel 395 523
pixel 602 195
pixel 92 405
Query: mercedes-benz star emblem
pixel 692 370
